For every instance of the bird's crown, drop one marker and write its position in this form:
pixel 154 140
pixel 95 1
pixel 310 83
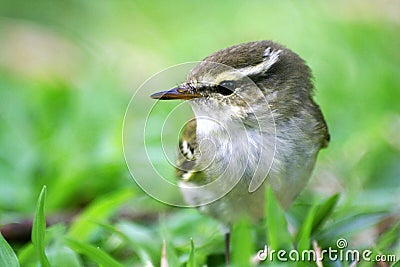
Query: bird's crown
pixel 264 61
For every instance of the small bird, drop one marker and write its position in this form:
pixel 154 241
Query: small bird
pixel 256 123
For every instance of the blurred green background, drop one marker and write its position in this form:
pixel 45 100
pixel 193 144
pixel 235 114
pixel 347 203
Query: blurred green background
pixel 69 68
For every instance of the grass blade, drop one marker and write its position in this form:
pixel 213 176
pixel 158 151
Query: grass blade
pixel 98 211
pixel 169 254
pixel 39 229
pixel 316 217
pixel 388 238
pixel 192 260
pixel 348 226
pixel 134 242
pixel 96 254
pixel 277 231
pixel 242 247
pixel 304 234
pixel 323 212
pixel 7 255
pixel 164 259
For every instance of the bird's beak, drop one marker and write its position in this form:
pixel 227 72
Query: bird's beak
pixel 175 93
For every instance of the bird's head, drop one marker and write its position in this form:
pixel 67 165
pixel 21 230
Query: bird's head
pixel 246 79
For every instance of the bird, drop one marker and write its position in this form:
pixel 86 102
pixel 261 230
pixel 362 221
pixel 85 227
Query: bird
pixel 255 124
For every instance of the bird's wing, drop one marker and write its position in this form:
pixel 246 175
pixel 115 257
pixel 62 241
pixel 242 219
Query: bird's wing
pixel 188 152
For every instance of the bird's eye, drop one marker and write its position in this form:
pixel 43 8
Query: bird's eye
pixel 226 87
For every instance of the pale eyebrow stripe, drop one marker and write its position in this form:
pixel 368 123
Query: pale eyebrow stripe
pixel 270 58
pixel 263 66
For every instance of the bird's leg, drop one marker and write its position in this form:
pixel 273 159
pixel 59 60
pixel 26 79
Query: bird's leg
pixel 227 250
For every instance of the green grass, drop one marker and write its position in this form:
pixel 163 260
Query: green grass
pixel 7 255
pixel 66 79
pixel 39 229
pixel 142 245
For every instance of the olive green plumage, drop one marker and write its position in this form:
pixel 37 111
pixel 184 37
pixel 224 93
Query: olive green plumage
pixel 263 125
